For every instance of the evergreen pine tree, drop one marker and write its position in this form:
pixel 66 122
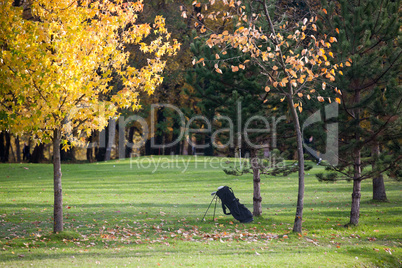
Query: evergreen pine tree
pixel 370 41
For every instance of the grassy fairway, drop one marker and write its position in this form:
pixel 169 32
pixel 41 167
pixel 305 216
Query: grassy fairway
pixel 147 213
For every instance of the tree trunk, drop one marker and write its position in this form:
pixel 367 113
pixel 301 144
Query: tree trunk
pixel 257 209
pixel 58 194
pixel 8 146
pixel 297 227
pixel 379 193
pixel 357 166
pixel 355 209
pixel 17 149
pixel 130 142
pixel 5 144
pixel 112 133
pixel 90 150
pixel 2 147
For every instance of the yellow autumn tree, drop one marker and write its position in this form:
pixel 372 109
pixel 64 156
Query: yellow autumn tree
pixel 293 56
pixel 57 63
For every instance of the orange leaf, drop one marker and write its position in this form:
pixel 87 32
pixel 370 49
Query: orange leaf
pixel 338 100
pixel 325 11
pixel 320 99
pixel 267 89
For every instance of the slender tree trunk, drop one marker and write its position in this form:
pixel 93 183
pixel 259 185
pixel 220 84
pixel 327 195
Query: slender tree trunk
pixel 297 227
pixel 18 149
pixel 2 147
pixel 130 142
pixel 112 133
pixel 8 146
pixel 90 150
pixel 356 194
pixel 257 199
pixel 58 193
pixel 379 193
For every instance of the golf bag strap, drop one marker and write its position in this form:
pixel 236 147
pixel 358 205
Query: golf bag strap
pixel 224 210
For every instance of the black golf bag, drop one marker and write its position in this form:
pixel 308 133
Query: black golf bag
pixel 238 211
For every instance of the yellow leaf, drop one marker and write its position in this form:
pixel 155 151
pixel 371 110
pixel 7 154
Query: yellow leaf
pixel 338 100
pixel 282 99
pixel 217 56
pixel 241 66
pixel 264 56
pixel 275 68
pixel 348 64
pixel 324 85
pixel 300 109
pixel 300 94
pixel 267 89
pixel 235 68
pixel 218 70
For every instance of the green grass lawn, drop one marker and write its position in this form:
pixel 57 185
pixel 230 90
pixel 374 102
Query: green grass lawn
pixel 135 213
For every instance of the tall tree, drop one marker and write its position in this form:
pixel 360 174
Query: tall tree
pixel 369 34
pixel 289 54
pixel 56 67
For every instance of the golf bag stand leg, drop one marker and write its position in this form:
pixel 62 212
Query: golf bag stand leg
pixel 213 198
